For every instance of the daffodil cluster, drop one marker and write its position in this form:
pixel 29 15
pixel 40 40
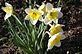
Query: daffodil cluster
pixel 55 32
pixel 50 14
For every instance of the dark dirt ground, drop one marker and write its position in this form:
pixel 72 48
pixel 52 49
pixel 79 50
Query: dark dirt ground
pixel 72 19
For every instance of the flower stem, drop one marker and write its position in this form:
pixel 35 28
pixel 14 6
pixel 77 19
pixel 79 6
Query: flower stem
pixel 59 3
pixel 46 52
pixel 30 4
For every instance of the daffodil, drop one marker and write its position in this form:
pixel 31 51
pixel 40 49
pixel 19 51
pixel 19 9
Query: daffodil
pixel 53 15
pixel 55 29
pixel 44 8
pixel 55 40
pixel 33 15
pixel 8 9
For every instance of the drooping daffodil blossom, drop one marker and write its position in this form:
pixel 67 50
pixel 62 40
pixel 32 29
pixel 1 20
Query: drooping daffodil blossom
pixel 33 15
pixel 44 8
pixel 8 9
pixel 53 15
pixel 55 29
pixel 55 40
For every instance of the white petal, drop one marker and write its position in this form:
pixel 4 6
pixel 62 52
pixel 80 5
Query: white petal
pixel 27 10
pixel 55 21
pixel 41 12
pixel 61 33
pixel 60 15
pixel 41 7
pixel 48 33
pixel 49 45
pixel 58 9
pixel 62 25
pixel 57 25
pixel 63 37
pixel 49 48
pixel 41 19
pixel 34 22
pixel 59 12
pixel 46 21
pixel 7 4
pixel 27 17
pixel 52 38
pixel 49 6
pixel 51 26
pixel 3 8
pixel 58 45
pixel 7 16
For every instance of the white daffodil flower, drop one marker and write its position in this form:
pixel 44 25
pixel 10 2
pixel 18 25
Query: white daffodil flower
pixel 44 8
pixel 8 9
pixel 33 15
pixel 53 15
pixel 55 29
pixel 55 40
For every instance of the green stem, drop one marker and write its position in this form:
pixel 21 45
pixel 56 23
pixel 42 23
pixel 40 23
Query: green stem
pixel 30 4
pixel 46 52
pixel 59 3
pixel 13 32
pixel 17 19
pixel 10 26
